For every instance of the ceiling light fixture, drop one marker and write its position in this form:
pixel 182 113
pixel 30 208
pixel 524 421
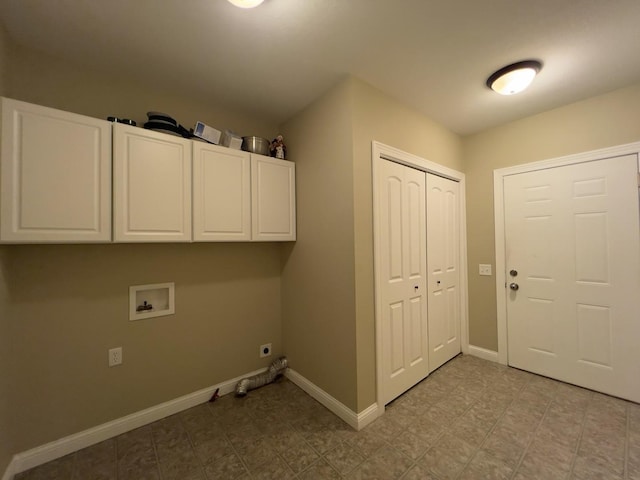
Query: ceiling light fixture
pixel 514 78
pixel 246 3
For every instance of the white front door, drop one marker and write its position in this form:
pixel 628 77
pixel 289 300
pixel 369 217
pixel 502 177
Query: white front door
pixel 573 274
pixel 402 284
pixel 443 265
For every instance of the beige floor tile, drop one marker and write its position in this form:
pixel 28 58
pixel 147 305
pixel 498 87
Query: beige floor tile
pixel 471 430
pixel 181 464
pixel 386 464
pixel 413 446
pixel 61 468
pixel 469 420
pixel 554 434
pixel 230 467
pixel 633 470
pixel 276 469
pixel 324 440
pixel 344 458
pixel 486 467
pixel 418 472
pixel 448 457
pixel 213 449
pixel 557 457
pixel 320 470
pixel 501 445
pixel 367 442
pixel 588 469
pixel 300 457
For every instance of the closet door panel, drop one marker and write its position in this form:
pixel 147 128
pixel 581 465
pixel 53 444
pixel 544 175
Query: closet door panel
pixel 443 265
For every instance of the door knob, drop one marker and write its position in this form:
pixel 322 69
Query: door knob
pixel 514 286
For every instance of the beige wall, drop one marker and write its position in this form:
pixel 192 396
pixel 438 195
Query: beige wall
pixel 7 448
pixel 69 303
pixel 6 443
pixel 48 81
pixel 378 117
pixel 318 275
pixel 329 331
pixel 598 122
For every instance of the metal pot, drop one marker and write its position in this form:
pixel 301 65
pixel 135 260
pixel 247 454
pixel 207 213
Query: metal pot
pixel 255 145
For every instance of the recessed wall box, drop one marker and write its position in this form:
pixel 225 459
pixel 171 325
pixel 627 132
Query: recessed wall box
pixel 147 301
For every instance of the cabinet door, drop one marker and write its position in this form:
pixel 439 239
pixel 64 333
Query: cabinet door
pixel 273 191
pixel 151 185
pixel 55 174
pixel 221 194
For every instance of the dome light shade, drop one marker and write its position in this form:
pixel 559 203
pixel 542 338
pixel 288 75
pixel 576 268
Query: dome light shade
pixel 246 3
pixel 514 78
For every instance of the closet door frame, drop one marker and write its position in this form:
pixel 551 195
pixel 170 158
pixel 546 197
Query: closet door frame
pixel 386 152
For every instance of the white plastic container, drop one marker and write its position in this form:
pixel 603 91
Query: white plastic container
pixel 231 140
pixel 207 133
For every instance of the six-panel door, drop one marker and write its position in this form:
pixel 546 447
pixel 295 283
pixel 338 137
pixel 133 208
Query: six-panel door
pixel 572 239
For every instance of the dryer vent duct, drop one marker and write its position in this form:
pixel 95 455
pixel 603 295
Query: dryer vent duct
pixel 276 369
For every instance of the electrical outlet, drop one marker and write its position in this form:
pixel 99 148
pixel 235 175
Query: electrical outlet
pixel 115 356
pixel 265 350
pixel 485 269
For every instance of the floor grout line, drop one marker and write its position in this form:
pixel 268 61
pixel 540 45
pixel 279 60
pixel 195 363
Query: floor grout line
pixel 579 442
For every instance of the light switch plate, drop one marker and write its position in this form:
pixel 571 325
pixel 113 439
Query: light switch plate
pixel 485 269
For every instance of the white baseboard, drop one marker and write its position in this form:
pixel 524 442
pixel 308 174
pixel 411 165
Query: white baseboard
pixel 356 420
pixel 9 472
pixel 483 353
pixel 45 453
pixel 64 446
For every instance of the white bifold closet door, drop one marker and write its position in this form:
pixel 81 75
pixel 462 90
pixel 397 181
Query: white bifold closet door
pixel 402 277
pixel 418 243
pixel 443 265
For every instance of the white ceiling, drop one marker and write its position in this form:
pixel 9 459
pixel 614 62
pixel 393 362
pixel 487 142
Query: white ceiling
pixel 433 55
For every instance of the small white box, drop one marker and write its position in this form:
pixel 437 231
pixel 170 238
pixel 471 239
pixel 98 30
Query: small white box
pixel 231 140
pixel 207 133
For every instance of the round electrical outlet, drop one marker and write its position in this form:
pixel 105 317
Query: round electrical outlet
pixel 265 350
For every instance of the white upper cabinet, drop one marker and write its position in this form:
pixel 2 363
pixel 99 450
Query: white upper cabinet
pixel 151 186
pixel 67 178
pixel 273 190
pixel 221 194
pixel 55 171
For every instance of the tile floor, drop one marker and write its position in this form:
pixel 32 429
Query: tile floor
pixel 471 419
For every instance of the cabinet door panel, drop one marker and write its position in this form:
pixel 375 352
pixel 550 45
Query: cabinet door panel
pixel 221 194
pixel 56 176
pixel 273 199
pixel 152 186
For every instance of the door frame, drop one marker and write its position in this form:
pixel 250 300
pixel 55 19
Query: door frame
pixel 385 152
pixel 498 209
